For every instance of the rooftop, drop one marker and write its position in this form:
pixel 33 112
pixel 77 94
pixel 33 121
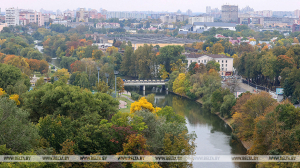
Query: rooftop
pixel 195 55
pixel 215 24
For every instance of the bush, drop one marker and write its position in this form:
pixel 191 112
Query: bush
pixel 135 96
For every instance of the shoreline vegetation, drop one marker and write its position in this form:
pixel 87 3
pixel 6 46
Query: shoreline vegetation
pixel 228 121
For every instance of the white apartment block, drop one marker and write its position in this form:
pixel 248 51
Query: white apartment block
pixel 201 19
pixel 12 16
pixel 226 63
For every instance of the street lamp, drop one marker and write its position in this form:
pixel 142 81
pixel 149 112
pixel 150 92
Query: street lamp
pixel 107 75
pixel 116 73
pixel 98 68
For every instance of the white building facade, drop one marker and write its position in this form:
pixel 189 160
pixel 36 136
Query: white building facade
pixel 226 63
pixel 201 19
pixel 12 16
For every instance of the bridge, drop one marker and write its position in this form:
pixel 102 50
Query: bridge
pixel 144 83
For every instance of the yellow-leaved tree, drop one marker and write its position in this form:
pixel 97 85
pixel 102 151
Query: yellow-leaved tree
pixel 162 72
pixel 2 92
pixel 15 97
pixel 62 75
pixel 143 104
pixel 178 84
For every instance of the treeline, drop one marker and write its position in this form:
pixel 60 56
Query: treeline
pixel 278 67
pixel 64 119
pixel 244 31
pixel 273 128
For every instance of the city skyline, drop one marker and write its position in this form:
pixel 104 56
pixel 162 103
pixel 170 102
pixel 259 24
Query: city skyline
pixel 154 5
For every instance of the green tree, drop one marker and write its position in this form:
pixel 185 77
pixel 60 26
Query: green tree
pixel 213 65
pixel 17 132
pixel 168 55
pixel 67 100
pixel 9 75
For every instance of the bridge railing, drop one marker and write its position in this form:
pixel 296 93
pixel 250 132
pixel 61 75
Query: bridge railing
pixel 144 81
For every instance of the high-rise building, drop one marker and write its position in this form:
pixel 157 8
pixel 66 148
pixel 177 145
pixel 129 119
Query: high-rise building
pixel 82 15
pixel 189 12
pixel 230 13
pixel 12 16
pixel 208 10
pixel 297 13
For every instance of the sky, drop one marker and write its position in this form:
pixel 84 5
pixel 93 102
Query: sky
pixel 150 5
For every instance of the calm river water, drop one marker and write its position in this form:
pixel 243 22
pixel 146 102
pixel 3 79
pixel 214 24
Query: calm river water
pixel 213 134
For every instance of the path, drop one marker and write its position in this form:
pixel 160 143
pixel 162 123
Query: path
pixel 122 104
pixel 128 98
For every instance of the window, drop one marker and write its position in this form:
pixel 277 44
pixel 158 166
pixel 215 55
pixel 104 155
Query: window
pixel 226 61
pixel 202 61
pixel 218 60
pixel 222 69
pixel 222 61
pixel 225 65
pixel 222 73
pixel 198 61
pixel 222 65
pixel 225 69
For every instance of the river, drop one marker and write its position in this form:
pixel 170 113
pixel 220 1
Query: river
pixel 213 134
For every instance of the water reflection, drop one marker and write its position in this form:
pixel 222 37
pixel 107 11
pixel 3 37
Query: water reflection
pixel 214 135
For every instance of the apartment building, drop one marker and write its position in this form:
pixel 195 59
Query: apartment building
pixel 226 63
pixel 12 16
pixel 230 13
pixel 82 15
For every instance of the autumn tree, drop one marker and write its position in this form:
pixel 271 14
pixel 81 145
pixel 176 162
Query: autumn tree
pixel 254 107
pixel 217 48
pixel 143 104
pixel 178 85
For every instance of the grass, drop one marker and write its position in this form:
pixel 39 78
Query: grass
pixel 127 109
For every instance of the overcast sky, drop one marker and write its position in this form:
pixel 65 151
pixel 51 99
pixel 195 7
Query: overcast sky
pixel 150 5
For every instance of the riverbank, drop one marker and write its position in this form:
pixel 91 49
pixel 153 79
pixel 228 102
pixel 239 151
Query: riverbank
pixel 228 121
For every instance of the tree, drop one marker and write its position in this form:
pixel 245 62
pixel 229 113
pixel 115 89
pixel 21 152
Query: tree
pixel 17 132
pixel 145 60
pixel 228 103
pixel 55 130
pixel 61 99
pixel 173 77
pixel 9 75
pixel 178 85
pixel 192 68
pixel 44 67
pixel 35 55
pixel 254 107
pixel 174 145
pixel 162 72
pixel 66 62
pixel 217 99
pixel 143 104
pixel 120 85
pixel 217 48
pixel 102 87
pixel 97 54
pixel 127 61
pixel 111 50
pixel 168 55
pixel 62 74
pixel 199 46
pixel 212 65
